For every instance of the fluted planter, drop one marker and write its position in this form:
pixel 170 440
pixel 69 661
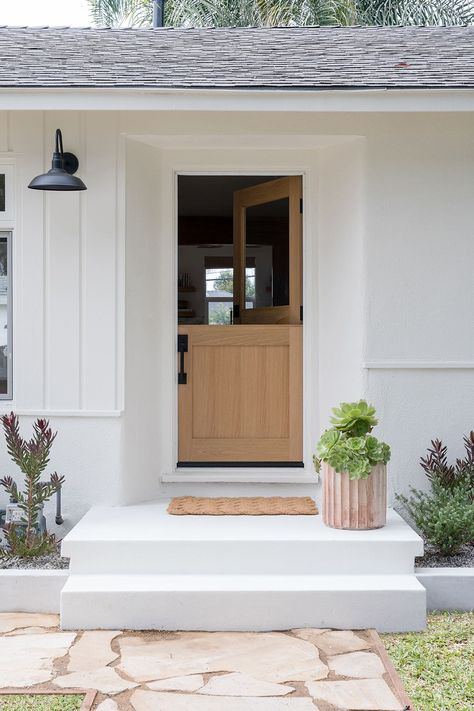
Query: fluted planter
pixel 355 503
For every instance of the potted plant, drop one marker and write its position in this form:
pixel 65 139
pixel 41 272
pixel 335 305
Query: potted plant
pixel 354 469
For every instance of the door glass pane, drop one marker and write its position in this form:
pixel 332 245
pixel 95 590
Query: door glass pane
pixel 267 239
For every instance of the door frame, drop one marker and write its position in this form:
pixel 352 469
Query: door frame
pixel 245 160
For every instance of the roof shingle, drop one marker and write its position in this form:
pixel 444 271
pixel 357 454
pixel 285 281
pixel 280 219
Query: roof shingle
pixel 236 58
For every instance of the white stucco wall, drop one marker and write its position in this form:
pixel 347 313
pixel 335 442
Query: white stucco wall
pixel 388 281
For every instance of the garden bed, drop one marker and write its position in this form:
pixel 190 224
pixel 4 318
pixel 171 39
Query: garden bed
pixel 32 584
pixel 448 580
pixel 433 559
pixel 52 561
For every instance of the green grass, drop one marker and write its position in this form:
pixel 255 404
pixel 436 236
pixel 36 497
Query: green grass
pixel 41 702
pixel 437 666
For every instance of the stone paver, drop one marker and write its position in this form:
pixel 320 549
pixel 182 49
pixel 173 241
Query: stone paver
pixel 92 651
pixel 178 683
pixel 155 701
pixel 364 694
pixel 358 665
pixel 309 633
pixel 105 680
pixel 272 657
pixel 27 630
pixel 236 684
pixel 107 705
pixel 340 641
pixel 245 671
pixel 15 620
pixel 28 659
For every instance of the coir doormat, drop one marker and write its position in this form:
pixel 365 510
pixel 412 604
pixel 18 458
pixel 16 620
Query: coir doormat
pixel 243 506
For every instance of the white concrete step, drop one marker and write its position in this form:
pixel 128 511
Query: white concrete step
pixel 144 539
pixel 243 602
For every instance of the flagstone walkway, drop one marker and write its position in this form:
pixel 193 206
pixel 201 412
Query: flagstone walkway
pixel 300 670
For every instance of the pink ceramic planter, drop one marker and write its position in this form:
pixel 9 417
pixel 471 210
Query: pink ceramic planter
pixel 355 503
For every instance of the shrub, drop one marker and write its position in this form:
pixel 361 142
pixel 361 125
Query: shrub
pixel 348 446
pixel 436 467
pixel 32 457
pixel 444 516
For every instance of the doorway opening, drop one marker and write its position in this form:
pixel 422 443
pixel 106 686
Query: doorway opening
pixel 239 293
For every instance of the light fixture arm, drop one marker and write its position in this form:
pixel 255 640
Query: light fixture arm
pixel 58 155
pixel 59 141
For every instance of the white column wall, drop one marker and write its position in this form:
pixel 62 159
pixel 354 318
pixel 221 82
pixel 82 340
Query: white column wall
pixel 147 282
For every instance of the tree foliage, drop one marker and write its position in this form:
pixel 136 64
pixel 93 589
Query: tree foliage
pixel 246 13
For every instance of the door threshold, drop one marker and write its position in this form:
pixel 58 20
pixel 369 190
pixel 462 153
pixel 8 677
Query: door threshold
pixel 257 475
pixel 240 465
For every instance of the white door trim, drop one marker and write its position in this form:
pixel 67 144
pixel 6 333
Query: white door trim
pixel 245 161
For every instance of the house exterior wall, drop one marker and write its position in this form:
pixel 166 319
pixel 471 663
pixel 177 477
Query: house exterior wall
pixel 388 280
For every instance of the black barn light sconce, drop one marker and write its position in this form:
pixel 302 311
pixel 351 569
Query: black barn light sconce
pixel 61 176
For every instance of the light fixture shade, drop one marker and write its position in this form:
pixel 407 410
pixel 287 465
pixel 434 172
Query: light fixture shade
pixel 57 179
pixel 60 176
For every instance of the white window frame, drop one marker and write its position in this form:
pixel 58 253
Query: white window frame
pixel 8 215
pixel 8 234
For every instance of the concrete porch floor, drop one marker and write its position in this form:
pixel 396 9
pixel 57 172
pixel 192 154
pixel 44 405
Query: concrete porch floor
pixel 298 670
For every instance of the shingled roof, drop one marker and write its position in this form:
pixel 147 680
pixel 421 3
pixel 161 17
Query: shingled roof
pixel 239 58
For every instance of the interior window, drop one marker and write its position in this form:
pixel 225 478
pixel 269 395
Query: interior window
pixel 220 292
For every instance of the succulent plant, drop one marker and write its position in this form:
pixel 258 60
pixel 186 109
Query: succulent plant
pixel 355 418
pixel 348 446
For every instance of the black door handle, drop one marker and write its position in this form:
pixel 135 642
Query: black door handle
pixel 182 349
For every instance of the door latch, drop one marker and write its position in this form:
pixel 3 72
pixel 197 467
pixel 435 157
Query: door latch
pixel 182 349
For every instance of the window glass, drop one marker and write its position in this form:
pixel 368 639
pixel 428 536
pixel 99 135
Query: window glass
pixel 220 292
pixel 2 192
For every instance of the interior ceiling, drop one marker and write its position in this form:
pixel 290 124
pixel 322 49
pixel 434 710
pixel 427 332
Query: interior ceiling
pixel 212 195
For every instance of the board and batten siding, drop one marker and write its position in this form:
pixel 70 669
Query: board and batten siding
pixel 66 297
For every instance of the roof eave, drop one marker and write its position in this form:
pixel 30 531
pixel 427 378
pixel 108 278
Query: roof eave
pixel 319 99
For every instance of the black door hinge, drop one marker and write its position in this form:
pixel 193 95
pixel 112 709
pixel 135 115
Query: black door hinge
pixel 301 313
pixel 182 349
pixel 301 205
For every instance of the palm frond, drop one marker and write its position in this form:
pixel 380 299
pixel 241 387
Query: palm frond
pixel 246 13
pixel 121 13
pixel 416 12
